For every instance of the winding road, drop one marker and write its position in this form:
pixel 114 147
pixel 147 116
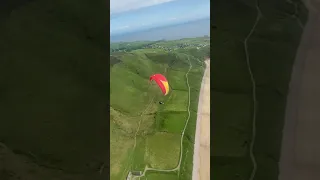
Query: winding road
pixel 177 168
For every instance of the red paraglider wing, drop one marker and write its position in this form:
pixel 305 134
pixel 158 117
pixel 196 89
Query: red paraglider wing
pixel 162 82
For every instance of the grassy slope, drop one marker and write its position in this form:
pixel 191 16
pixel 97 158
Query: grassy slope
pixel 53 80
pixel 272 50
pixel 158 140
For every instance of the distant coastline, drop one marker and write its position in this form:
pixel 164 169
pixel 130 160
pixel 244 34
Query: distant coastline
pixel 195 28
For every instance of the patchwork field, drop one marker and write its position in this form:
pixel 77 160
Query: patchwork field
pixel 146 133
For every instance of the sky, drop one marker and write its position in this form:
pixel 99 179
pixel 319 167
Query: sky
pixel 136 15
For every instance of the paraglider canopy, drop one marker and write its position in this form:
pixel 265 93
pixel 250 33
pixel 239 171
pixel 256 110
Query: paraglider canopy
pixel 162 82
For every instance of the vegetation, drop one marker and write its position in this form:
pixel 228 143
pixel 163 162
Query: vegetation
pixel 144 132
pixel 272 49
pixel 182 44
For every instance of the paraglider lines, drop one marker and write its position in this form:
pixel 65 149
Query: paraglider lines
pixel 254 98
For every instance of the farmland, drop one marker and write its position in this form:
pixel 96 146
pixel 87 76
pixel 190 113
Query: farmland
pixel 144 132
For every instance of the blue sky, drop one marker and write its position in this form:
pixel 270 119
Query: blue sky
pixel 136 15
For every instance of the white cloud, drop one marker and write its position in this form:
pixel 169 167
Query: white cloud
pixel 123 27
pixel 172 19
pixel 117 6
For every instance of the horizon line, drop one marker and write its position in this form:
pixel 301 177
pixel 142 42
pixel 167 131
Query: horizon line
pixel 148 29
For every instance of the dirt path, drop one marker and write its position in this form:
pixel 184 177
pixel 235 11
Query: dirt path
pixel 177 168
pixel 201 156
pixel 300 153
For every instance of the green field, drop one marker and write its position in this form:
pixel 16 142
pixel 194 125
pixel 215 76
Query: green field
pixel 272 48
pixel 143 132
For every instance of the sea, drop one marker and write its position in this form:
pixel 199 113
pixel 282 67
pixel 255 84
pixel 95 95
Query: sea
pixel 191 29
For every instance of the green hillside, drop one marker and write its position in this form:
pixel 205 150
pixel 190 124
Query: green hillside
pixel 144 132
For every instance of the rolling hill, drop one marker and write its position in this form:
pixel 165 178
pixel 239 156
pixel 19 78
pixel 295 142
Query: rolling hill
pixel 144 132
